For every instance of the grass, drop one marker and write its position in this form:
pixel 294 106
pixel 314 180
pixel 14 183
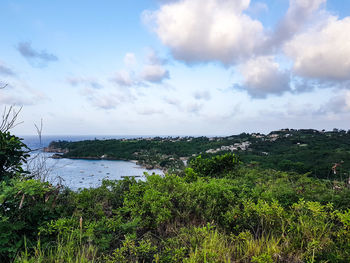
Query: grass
pixel 64 250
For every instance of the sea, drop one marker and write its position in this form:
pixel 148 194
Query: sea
pixel 78 173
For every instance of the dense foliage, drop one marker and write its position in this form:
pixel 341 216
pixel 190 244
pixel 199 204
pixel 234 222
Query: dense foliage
pixel 248 216
pixel 216 210
pixel 13 152
pixel 304 151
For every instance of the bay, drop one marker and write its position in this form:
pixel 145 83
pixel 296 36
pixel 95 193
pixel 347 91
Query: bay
pixel 78 173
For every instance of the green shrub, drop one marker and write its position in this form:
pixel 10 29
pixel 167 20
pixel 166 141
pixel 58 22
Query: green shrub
pixel 133 251
pixel 13 153
pixel 24 207
pixel 216 166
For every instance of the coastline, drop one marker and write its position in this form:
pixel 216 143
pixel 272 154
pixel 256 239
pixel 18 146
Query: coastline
pixel 57 155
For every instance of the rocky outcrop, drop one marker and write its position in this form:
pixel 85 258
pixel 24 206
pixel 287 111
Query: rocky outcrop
pixel 55 150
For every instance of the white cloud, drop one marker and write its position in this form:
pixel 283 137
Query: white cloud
pixel 154 59
pixel 35 58
pixel 124 78
pixel 5 70
pixel 20 94
pixel 75 81
pixel 154 73
pixel 202 95
pixel 257 8
pixel 339 103
pixel 106 102
pixel 173 101
pixel 322 52
pixel 105 99
pixel 300 12
pixel 149 111
pixel 222 31
pixel 263 76
pixel 130 60
pixel 211 30
pixel 194 107
pixel 304 6
pixel 16 99
pixel 154 70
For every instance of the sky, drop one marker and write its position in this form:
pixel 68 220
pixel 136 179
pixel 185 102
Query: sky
pixel 175 67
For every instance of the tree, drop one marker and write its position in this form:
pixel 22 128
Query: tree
pixel 13 152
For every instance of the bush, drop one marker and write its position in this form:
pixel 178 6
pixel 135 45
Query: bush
pixel 24 207
pixel 13 153
pixel 217 166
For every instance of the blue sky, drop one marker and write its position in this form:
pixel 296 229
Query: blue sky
pixel 176 67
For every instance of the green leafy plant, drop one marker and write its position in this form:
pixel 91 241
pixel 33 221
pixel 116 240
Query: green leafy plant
pixel 13 153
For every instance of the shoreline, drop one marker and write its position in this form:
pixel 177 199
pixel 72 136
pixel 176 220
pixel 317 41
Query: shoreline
pixel 57 155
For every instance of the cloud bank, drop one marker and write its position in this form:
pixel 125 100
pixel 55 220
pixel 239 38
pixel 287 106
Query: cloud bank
pixel 313 43
pixel 322 52
pixel 203 31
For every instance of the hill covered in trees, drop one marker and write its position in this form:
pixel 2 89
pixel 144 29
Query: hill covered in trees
pixel 299 151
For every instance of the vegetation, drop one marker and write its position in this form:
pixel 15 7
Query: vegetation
pixel 300 151
pixel 218 209
pixel 12 155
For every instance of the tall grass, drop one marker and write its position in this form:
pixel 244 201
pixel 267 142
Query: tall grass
pixel 65 250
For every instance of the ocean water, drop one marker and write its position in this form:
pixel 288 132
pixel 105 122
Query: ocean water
pixel 76 173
